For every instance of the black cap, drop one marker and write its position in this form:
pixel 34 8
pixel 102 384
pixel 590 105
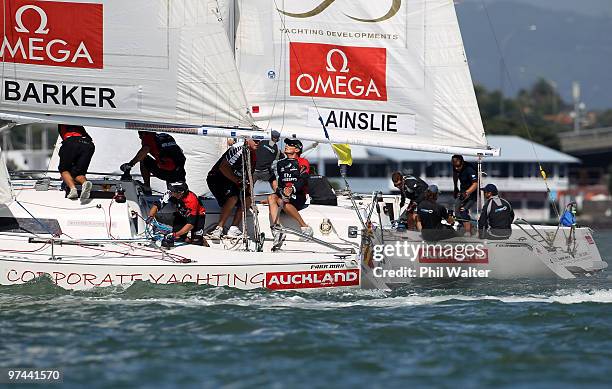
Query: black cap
pixel 177 187
pixel 490 188
pixel 294 142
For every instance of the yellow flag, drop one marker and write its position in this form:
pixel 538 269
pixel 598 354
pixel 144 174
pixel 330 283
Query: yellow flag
pixel 344 154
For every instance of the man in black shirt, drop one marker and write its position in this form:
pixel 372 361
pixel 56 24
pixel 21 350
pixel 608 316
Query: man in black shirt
pixel 411 188
pixel 430 215
pixel 225 182
pixel 465 193
pixel 267 153
pixel 496 217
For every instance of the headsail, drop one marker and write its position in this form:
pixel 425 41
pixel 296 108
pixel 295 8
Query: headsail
pixel 115 62
pixel 385 73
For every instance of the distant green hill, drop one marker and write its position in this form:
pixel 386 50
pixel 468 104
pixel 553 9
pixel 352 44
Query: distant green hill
pixel 572 42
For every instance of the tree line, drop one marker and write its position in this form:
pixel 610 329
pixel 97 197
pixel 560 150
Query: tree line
pixel 545 113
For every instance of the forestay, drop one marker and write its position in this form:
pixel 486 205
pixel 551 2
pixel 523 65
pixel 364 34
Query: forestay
pixel 387 73
pixel 115 62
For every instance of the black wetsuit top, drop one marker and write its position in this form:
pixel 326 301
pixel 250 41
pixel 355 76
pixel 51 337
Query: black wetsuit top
pixel 431 215
pixel 413 189
pixel 466 177
pixel 266 154
pixel 496 217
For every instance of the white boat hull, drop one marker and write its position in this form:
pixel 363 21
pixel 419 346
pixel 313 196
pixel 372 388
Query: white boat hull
pixel 518 257
pixel 215 268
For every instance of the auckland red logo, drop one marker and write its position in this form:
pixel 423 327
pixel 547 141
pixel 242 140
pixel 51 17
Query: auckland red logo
pixel 52 33
pixel 312 279
pixel 342 72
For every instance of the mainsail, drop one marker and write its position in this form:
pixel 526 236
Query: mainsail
pixel 114 147
pixel 386 73
pixel 6 194
pixel 117 63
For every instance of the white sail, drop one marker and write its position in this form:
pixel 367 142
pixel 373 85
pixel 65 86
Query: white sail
pixel 385 73
pixel 115 62
pixel 6 194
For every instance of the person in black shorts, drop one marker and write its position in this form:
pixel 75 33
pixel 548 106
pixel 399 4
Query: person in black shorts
pixel 465 193
pixel 159 156
pixel 225 182
pixel 75 155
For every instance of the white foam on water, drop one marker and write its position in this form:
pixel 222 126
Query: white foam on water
pixel 373 299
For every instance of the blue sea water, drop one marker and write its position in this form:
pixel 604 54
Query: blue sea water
pixel 526 333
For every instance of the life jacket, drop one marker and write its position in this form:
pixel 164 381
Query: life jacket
pixel 499 213
pixel 293 172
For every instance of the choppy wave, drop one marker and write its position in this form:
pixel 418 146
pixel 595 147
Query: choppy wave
pixel 189 295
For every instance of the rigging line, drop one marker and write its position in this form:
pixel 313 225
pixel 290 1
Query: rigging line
pixel 276 92
pixel 254 209
pixel 36 219
pixel 521 112
pixel 62 208
pixel 244 156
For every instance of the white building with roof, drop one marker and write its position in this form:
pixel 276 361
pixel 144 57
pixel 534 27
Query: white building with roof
pixel 515 172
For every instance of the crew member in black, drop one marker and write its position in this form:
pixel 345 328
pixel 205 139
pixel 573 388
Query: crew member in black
pixel 267 153
pixel 496 216
pixel 291 185
pixel 189 216
pixel 430 215
pixel 411 188
pixel 159 156
pixel 75 155
pixel 465 193
pixel 225 182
